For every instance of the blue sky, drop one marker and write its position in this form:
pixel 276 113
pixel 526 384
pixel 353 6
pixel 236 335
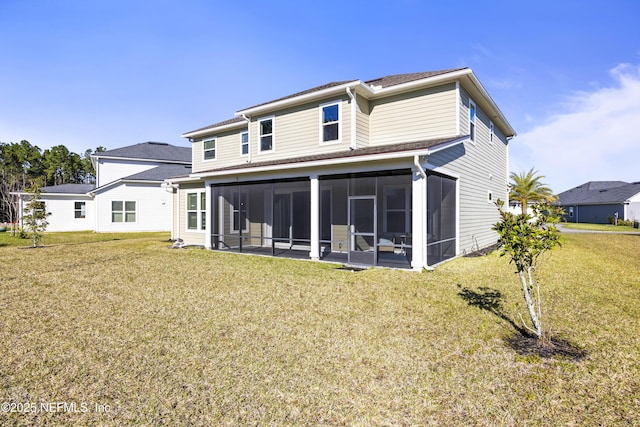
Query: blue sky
pixel 566 74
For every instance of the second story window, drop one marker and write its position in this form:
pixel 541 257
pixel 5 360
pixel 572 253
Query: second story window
pixel 266 134
pixel 472 120
pixel 209 149
pixel 491 132
pixel 330 122
pixel 244 143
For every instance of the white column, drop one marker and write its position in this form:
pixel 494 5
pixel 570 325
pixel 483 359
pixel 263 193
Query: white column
pixel 314 254
pixel 208 226
pixel 419 221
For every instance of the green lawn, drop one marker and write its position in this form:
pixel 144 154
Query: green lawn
pixel 135 333
pixel 600 227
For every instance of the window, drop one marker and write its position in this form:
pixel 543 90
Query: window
pixel 80 210
pixel 472 120
pixel 238 210
pixel 266 134
pixel 123 211
pixel 244 143
pixel 209 147
pixel 397 209
pixel 197 211
pixel 570 211
pixel 491 132
pixel 330 122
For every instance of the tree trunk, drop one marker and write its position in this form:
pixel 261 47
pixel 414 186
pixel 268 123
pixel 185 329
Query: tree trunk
pixel 531 306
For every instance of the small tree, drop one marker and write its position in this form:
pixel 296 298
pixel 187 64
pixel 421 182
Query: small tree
pixel 34 218
pixel 525 239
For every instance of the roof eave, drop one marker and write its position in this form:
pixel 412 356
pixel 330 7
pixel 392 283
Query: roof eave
pixel 213 130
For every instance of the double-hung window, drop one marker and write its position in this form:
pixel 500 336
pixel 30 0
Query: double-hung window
pixel 238 211
pixel 472 120
pixel 123 211
pixel 80 210
pixel 196 211
pixel 330 122
pixel 265 127
pixel 244 143
pixel 209 149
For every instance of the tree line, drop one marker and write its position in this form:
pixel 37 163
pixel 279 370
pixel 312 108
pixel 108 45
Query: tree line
pixel 22 164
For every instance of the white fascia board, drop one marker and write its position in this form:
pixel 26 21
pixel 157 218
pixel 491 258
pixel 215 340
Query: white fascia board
pixel 123 181
pixel 498 117
pixel 209 131
pixel 307 97
pixel 429 81
pixel 331 162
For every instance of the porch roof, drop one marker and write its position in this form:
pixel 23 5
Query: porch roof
pixel 407 149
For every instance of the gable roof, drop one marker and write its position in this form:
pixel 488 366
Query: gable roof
pixel 149 151
pixel 160 173
pixel 380 87
pixel 599 192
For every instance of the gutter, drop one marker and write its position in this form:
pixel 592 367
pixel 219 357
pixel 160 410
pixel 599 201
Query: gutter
pixel 352 95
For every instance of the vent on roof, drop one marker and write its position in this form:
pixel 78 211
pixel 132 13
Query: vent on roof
pixel 157 143
pixel 602 191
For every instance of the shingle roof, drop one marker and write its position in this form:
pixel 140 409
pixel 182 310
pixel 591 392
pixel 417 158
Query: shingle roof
pixel 380 149
pixel 150 151
pixel 160 173
pixel 397 79
pixel 222 123
pixel 599 192
pixel 68 188
pixel 304 92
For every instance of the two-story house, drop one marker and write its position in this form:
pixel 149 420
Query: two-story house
pixel 398 171
pixel 128 195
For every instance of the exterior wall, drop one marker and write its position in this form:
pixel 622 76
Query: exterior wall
pixel 111 170
pixel 424 114
pixel 62 209
pixel 190 237
pixel 153 208
pixel 482 169
pixel 362 122
pixel 595 214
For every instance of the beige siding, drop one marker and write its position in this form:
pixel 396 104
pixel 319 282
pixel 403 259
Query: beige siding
pixel 482 169
pixel 190 237
pixel 227 151
pixel 362 122
pixel 424 114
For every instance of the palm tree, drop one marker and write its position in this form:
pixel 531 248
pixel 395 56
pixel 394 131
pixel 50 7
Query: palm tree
pixel 527 187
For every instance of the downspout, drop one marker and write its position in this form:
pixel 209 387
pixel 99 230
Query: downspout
pixel 244 116
pixel 423 174
pixel 352 95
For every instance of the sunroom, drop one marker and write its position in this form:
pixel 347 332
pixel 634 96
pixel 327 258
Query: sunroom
pixel 355 219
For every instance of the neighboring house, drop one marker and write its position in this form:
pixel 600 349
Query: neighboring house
pixel 595 201
pixel 398 171
pixel 129 195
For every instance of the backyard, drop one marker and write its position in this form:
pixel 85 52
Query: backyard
pixel 103 329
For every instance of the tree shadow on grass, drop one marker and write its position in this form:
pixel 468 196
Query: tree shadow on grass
pixel 523 342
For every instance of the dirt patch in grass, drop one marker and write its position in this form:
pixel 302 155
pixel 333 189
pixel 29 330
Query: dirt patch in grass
pixel 548 348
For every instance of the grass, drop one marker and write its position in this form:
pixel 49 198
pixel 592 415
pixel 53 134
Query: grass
pixel 192 337
pixel 600 227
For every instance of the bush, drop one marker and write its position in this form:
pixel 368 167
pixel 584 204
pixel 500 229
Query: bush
pixel 625 223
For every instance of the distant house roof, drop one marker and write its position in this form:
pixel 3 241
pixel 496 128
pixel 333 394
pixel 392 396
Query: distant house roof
pixel 160 173
pixel 599 192
pixel 68 189
pixel 150 151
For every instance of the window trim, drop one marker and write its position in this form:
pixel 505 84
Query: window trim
pixel 200 211
pixel 272 134
pixel 124 212
pixel 214 149
pixel 79 212
pixel 473 129
pixel 242 144
pixel 321 108
pixel 492 132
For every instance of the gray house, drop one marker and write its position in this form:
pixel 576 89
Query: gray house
pixel 595 201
